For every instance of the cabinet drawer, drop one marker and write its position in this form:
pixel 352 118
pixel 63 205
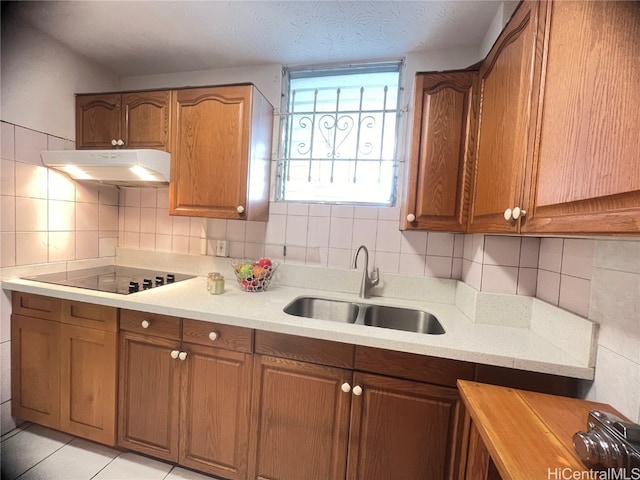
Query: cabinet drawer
pixel 37 306
pixel 440 371
pixel 323 352
pixel 212 334
pixel 90 315
pixel 163 326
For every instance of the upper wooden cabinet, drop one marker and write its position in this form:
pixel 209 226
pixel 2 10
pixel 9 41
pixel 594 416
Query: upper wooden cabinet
pixel 131 120
pixel 557 141
pixel 221 157
pixel 585 176
pixel 438 176
pixel 506 85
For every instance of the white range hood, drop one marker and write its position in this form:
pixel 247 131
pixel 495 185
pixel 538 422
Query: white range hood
pixel 128 168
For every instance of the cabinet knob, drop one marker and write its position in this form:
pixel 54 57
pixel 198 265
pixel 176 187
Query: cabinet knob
pixel 182 355
pixel 508 214
pixel 214 336
pixel 145 324
pixel 174 354
pixel 357 390
pixel 119 142
pixel 346 388
pixel 114 142
pixel 517 213
pixel 411 218
pixel 240 209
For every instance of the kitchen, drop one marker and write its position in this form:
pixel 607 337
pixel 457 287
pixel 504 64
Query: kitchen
pixel 596 278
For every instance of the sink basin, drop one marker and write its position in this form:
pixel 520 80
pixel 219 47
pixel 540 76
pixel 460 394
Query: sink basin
pixel 398 318
pixel 383 316
pixel 323 309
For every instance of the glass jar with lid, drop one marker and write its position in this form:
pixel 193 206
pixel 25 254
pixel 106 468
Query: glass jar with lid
pixel 215 283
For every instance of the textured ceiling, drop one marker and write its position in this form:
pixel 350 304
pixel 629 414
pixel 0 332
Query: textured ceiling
pixel 151 37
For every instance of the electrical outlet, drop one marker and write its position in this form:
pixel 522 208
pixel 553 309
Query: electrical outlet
pixel 221 248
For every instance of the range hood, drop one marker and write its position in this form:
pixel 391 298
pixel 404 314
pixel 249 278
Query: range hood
pixel 126 168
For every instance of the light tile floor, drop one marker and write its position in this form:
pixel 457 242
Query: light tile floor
pixel 33 452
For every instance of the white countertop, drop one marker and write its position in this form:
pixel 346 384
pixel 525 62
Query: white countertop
pixel 536 347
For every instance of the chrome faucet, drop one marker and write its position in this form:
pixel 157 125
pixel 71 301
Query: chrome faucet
pixel 367 281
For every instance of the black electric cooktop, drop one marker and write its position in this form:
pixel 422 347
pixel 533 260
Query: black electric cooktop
pixel 114 279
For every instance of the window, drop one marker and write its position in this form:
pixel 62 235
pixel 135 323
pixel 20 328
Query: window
pixel 339 134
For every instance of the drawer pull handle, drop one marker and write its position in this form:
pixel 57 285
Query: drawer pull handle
pixel 182 355
pixel 346 388
pixel 174 354
pixel 145 324
pixel 357 390
pixel 214 336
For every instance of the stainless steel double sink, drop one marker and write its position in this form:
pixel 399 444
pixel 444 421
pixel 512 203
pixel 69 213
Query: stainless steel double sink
pixel 384 316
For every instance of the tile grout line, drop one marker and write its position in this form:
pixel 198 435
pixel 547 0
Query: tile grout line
pixel 44 458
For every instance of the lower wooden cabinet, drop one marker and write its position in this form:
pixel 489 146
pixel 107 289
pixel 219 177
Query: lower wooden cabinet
pixel 403 429
pixel 214 411
pixel 149 395
pixel 88 376
pixel 64 375
pixel 35 370
pixel 317 422
pixel 300 420
pixel 184 402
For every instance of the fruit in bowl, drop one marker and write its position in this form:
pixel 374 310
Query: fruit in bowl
pixel 254 276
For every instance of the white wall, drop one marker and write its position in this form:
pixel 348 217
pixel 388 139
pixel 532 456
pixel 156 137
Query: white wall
pixel 39 78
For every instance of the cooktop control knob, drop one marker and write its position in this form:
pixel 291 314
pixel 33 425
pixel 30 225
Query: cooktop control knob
pixel 171 278
pixel 159 281
pixel 134 287
pixel 147 284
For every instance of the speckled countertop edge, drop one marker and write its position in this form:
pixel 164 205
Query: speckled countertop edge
pixel 498 345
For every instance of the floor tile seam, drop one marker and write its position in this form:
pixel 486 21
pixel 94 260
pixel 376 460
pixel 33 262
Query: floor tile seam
pixel 45 457
pixel 106 465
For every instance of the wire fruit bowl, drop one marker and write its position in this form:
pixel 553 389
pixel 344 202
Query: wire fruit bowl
pixel 254 276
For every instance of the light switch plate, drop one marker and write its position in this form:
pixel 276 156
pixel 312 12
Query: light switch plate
pixel 221 248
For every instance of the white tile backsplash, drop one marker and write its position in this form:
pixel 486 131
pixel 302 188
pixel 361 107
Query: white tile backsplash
pixel 504 251
pixel 7 145
pixel 551 254
pixel 340 233
pixel 61 187
pixel 31 180
pixel 577 257
pixel 7 213
pixel 62 216
pixel 296 233
pixel 440 244
pixel 7 177
pixel 28 145
pixel 574 294
pixel 32 216
pixel 388 237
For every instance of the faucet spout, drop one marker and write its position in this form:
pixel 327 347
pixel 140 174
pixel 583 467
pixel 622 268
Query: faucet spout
pixel 368 281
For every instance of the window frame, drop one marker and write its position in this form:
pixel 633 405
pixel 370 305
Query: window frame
pixel 283 126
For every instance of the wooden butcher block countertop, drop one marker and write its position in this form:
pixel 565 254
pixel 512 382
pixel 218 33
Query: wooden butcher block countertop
pixel 528 435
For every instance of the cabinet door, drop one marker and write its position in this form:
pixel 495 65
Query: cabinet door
pixel 587 175
pixel 403 429
pixel 210 159
pixel 149 395
pixel 146 120
pixel 439 172
pixel 214 406
pixel 300 421
pixel 35 370
pixel 506 84
pixel 98 120
pixel 88 383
